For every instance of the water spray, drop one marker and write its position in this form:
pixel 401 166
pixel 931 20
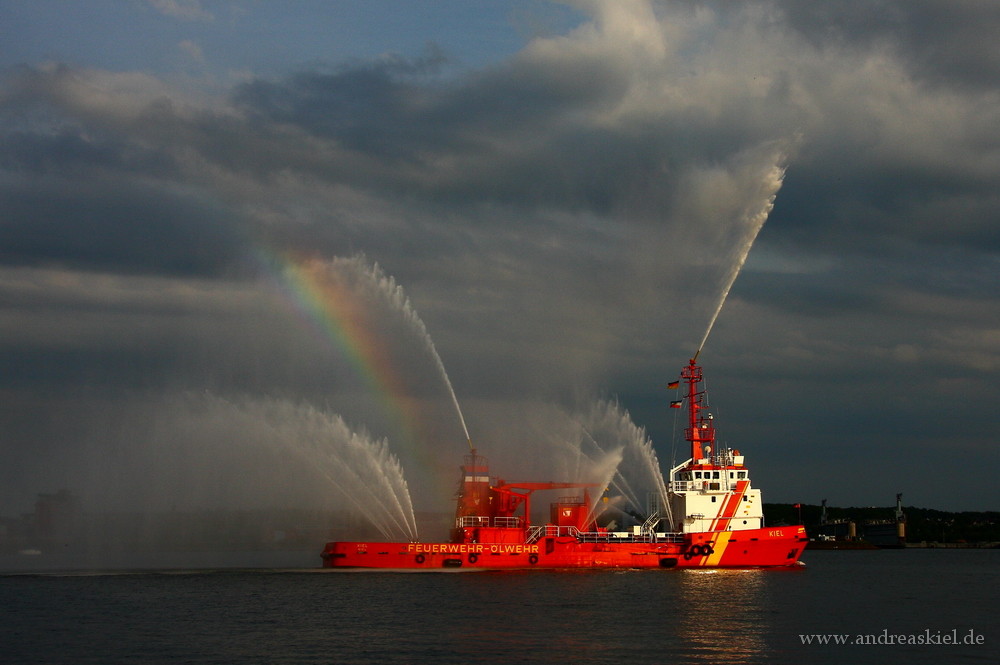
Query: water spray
pixel 447 382
pixel 394 294
pixel 755 222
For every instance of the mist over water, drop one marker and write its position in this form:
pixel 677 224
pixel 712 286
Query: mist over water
pixel 605 447
pixel 266 415
pixel 218 449
pixel 200 451
pixel 362 473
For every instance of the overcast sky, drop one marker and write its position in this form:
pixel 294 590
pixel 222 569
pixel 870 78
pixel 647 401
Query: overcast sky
pixel 558 191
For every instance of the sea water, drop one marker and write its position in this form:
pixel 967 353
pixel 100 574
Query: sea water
pixel 310 615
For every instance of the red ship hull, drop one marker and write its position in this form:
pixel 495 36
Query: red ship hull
pixel 770 547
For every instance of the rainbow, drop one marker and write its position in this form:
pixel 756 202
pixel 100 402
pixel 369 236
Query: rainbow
pixel 341 318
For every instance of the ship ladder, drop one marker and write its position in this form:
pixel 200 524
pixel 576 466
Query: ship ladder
pixel 648 526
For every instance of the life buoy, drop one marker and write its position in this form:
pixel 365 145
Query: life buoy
pixel 533 559
pixel 688 555
pixel 707 548
pixel 473 558
pixel 420 558
pixel 696 550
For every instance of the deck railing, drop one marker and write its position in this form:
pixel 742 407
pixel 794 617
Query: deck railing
pixel 533 533
pixel 508 522
pixel 484 521
pixel 471 521
pixel 553 531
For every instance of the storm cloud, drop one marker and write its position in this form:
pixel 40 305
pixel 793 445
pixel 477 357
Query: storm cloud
pixel 563 218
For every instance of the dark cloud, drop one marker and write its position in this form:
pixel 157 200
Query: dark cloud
pixel 372 108
pixel 947 43
pixel 121 226
pixel 564 221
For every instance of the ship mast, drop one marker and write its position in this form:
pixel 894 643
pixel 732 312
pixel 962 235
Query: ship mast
pixel 701 429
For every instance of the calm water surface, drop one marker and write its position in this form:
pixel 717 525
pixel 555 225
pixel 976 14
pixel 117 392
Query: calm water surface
pixel 315 616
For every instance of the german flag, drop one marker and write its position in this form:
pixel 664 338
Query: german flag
pixel 673 384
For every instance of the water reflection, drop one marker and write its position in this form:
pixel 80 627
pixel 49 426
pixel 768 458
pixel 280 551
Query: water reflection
pixel 600 617
pixel 722 615
pixel 706 616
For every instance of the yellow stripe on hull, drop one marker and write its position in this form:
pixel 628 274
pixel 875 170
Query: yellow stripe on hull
pixel 719 547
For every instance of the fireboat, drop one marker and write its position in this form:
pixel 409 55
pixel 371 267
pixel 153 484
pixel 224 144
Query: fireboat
pixel 712 518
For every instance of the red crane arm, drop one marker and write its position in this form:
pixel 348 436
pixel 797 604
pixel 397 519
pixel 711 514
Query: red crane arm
pixel 531 487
